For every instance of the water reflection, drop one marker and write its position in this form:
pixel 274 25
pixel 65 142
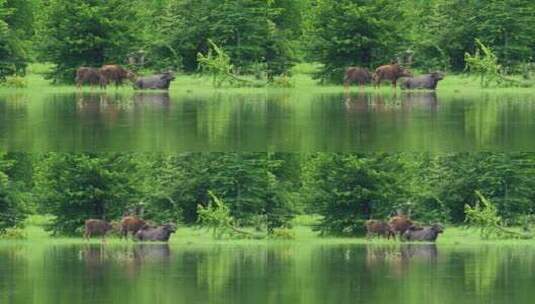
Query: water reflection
pixel 285 122
pixel 158 98
pixel 283 273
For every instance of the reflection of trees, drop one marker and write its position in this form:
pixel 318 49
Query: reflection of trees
pixel 262 273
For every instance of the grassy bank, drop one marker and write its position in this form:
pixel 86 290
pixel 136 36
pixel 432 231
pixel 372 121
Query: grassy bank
pixel 301 80
pixel 194 236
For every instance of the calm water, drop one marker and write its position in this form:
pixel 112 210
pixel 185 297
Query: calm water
pixel 275 121
pixel 282 273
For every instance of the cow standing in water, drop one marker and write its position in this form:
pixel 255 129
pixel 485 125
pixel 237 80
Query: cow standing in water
pixel 391 72
pixel 359 75
pixel 379 229
pixel 96 227
pixel 90 76
pixel 113 73
pixel 399 224
pixel 131 224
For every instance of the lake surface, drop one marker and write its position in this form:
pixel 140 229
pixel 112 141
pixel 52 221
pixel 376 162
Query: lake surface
pixel 276 273
pixel 285 121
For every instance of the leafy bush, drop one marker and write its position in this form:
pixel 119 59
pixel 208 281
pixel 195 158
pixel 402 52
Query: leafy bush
pixel 216 63
pixel 484 216
pixel 216 217
pixel 282 234
pixel 16 82
pixel 13 234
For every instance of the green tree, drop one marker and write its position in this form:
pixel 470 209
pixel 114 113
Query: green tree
pixel 353 32
pixel 503 178
pixel 13 209
pixel 247 29
pixel 442 31
pixel 78 33
pixel 76 187
pixel 177 184
pixel 347 189
pixel 16 29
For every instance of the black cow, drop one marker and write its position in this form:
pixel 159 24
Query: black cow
pixel 161 233
pixel 155 82
pixel 427 81
pixel 425 234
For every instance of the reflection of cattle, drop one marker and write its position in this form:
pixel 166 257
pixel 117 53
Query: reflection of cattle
pixel 378 228
pixel 427 252
pixel 420 100
pixel 152 252
pixel 116 74
pixel 90 76
pixel 424 234
pixel 153 98
pixel 131 224
pixel 96 227
pixel 391 72
pixel 161 233
pixel 399 224
pixel 359 75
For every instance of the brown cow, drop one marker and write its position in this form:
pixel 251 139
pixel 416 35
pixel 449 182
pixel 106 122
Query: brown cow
pixel 378 228
pixel 359 75
pixel 91 76
pixel 131 224
pixel 399 224
pixel 113 73
pixel 390 72
pixel 96 227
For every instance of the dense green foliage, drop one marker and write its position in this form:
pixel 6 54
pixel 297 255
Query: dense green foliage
pixel 85 33
pixel 347 189
pixel 248 183
pixel 76 187
pixel 13 199
pixel 266 190
pixel 16 28
pixel 264 36
pixel 251 31
pixel 348 32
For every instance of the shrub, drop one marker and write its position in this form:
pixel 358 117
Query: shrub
pixel 16 82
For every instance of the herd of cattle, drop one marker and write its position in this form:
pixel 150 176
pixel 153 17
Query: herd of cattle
pixel 129 225
pixel 116 74
pixel 402 227
pixel 392 72
pixel 399 226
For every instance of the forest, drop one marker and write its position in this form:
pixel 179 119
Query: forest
pixel 264 37
pixel 265 189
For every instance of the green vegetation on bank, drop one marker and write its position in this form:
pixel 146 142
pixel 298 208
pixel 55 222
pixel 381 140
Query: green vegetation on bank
pixel 192 236
pixel 266 191
pixel 302 80
pixel 264 38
